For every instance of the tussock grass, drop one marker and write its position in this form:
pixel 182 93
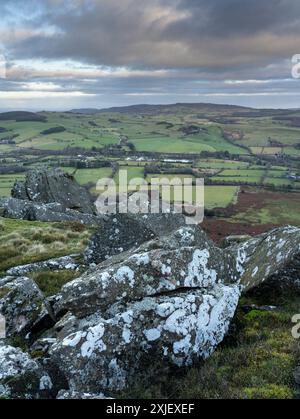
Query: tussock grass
pixel 23 242
pixel 51 282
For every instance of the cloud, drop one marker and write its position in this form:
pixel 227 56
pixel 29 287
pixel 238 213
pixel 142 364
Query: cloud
pixel 142 48
pixel 21 95
pixel 162 34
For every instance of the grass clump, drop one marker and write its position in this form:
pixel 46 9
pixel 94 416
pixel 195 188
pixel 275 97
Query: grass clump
pixel 51 282
pixel 270 391
pixel 23 242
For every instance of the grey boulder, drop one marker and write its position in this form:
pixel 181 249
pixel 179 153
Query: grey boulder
pixel 151 270
pixel 107 354
pixel 119 233
pixel 22 304
pixel 53 185
pixel 21 377
pixel 53 212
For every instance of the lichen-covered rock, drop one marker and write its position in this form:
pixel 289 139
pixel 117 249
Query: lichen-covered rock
pixel 97 354
pixel 22 304
pixel 75 395
pixel 63 263
pixel 116 235
pixel 21 377
pixel 21 209
pixel 145 274
pixel 53 185
pixel 169 299
pixel 272 258
pixel 119 233
pixel 235 239
pixel 161 292
pixel 54 212
pixel 185 236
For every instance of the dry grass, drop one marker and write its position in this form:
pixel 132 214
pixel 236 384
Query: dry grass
pixel 24 242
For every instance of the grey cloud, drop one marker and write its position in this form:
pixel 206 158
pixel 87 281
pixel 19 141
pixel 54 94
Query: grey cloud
pixel 200 43
pixel 211 34
pixel 235 17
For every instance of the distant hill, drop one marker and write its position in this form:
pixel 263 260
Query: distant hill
pixel 21 116
pixel 153 109
pixel 190 107
pixel 196 108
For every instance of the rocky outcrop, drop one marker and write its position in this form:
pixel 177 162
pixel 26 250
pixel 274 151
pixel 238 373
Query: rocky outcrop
pixel 185 262
pixel 166 295
pixel 119 233
pixel 21 377
pixel 167 299
pixel 126 305
pixel 115 236
pixel 52 196
pixel 30 211
pixel 53 186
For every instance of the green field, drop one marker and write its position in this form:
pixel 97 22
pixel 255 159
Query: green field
pixel 237 180
pixel 221 164
pixel 258 132
pixel 7 182
pixel 237 150
pixel 253 173
pixel 220 196
pixel 85 176
pixel 277 181
pixel 99 130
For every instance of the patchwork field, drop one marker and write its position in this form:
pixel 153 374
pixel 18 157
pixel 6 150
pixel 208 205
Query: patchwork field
pixel 228 149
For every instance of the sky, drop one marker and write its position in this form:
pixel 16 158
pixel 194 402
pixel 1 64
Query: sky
pixel 64 54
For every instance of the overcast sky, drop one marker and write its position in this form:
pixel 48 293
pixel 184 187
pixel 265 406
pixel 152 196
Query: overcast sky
pixel 64 54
